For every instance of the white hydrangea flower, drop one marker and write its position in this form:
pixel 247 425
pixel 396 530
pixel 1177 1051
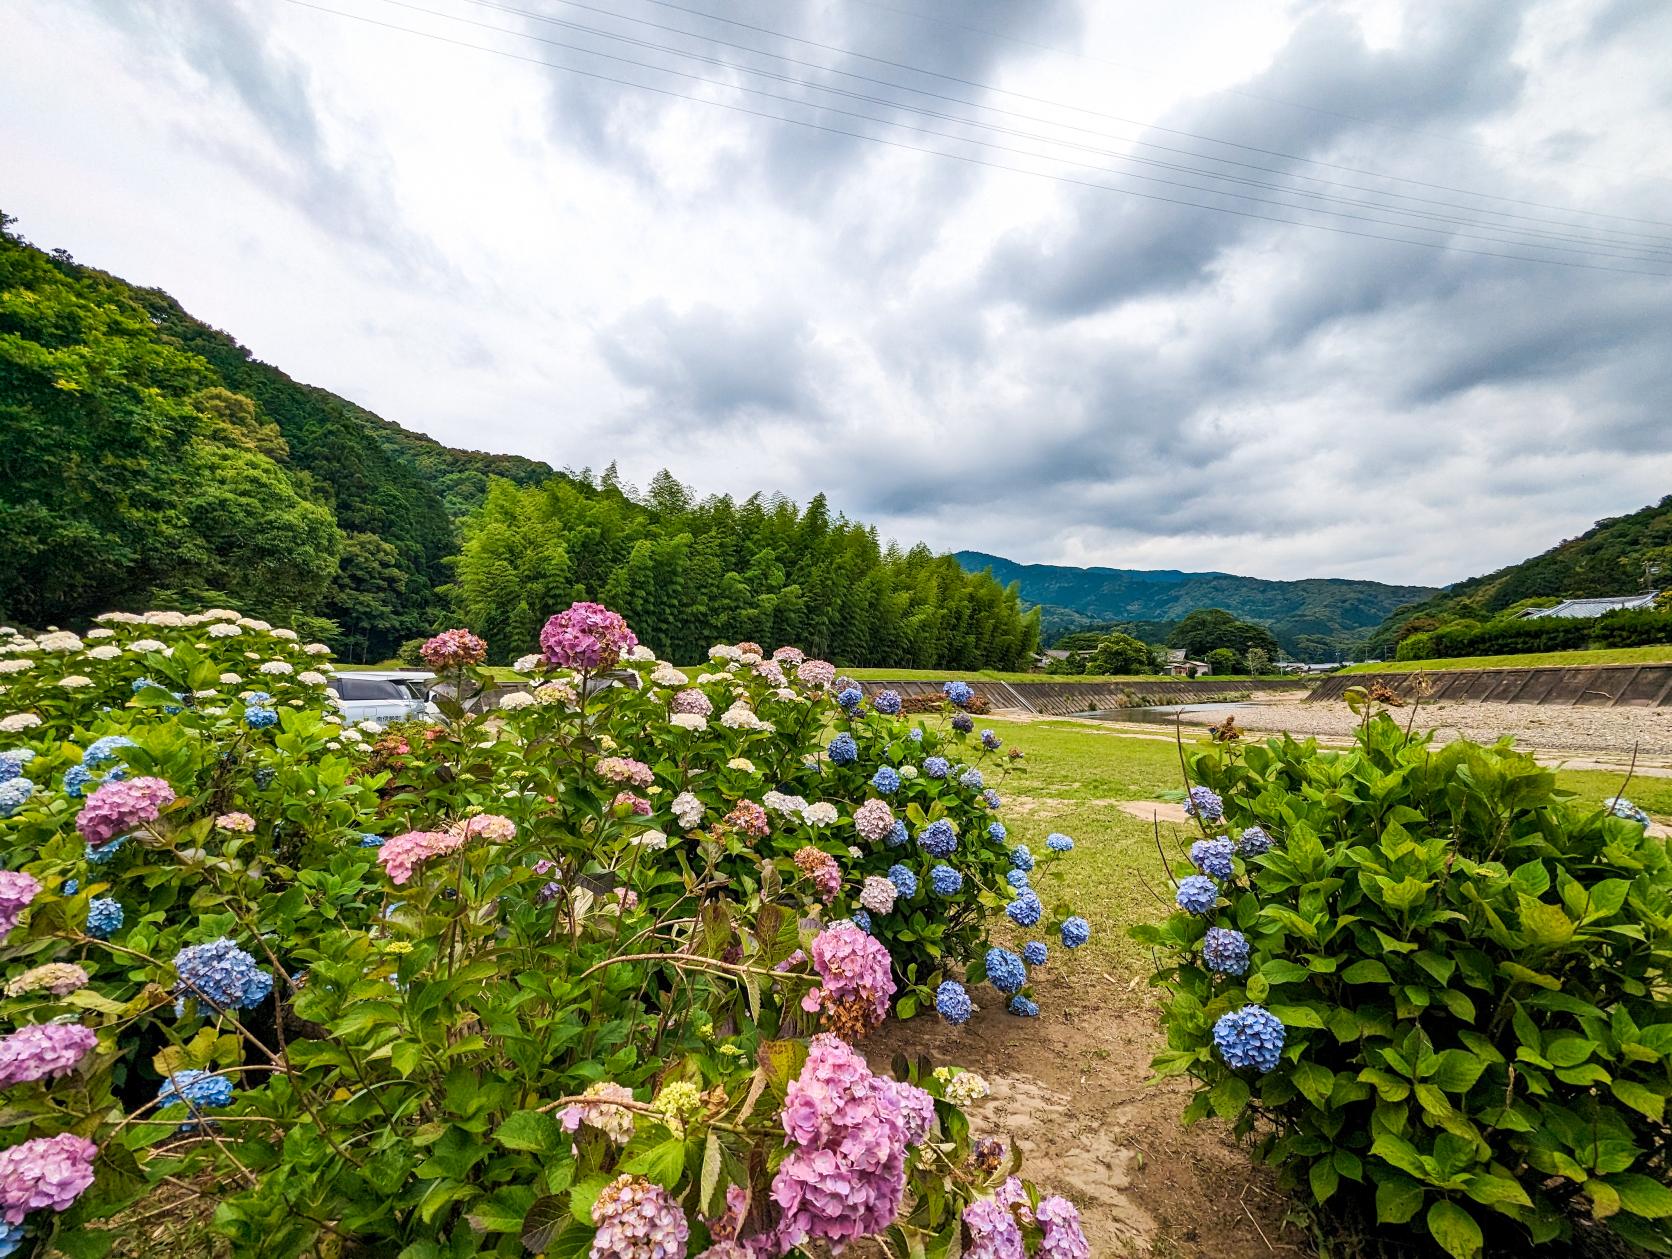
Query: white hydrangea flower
pixel 120 618
pixel 653 840
pixel 16 666
pixel 212 712
pixel 641 654
pixel 230 679
pixel 309 678
pixel 317 649
pixel 352 736
pixel 220 629
pixel 687 809
pixel 689 721
pixel 821 814
pixel 100 631
pixel 664 674
pixel 966 1088
pixel 145 644
pixel 210 694
pixel 19 721
pixel 168 620
pixel 721 651
pixel 277 668
pixel 59 640
pixel 704 679
pixel 516 700
pixel 908 771
pixel 222 614
pixel 778 802
pixel 528 663
pixel 75 681
pixel 249 622
pixel 741 762
pixel 289 635
pixel 372 727
pixel 104 651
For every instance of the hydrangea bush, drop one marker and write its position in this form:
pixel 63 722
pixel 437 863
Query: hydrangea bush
pixel 1433 987
pixel 579 976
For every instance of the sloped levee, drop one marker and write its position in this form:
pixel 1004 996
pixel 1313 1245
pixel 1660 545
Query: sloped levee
pixel 1064 699
pixel 1589 686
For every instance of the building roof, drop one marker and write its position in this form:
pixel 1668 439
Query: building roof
pixel 1596 607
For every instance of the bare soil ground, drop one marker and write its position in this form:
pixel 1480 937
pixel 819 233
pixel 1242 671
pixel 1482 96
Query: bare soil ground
pixel 1069 1089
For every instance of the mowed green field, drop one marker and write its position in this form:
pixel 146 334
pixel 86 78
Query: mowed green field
pixel 1661 654
pixel 1074 779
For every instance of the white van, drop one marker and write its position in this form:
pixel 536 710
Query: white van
pixel 383 694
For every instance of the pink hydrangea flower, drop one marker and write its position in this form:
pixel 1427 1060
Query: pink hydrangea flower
pixel 615 1122
pixel 748 818
pixel 878 894
pixel 791 656
pixel 692 701
pixel 821 868
pixel 16 891
pixel 815 673
pixel 638 1220
pixel 623 769
pixel 858 978
pixel 771 671
pixel 454 649
pixel 873 820
pixel 639 805
pixel 1064 1238
pixel 58 978
pixel 45 1172
pixel 43 1051
pixel 489 826
pixel 586 636
pixel 115 808
pixel 1014 1197
pixel 994 1233
pixel 235 822
pixel 404 853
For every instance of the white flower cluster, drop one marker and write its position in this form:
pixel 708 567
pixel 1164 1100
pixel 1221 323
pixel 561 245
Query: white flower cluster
pixel 687 809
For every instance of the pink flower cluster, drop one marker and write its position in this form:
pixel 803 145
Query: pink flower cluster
pixel 490 826
pixel 638 1220
pixel 615 1122
pixel 46 1172
pixel 58 978
pixel 873 820
pixel 43 1051
pixel 623 769
pixel 402 854
pixel 1064 1239
pixel 16 891
pixel 821 868
pixel 858 978
pixel 772 672
pixel 994 1233
pixel 586 636
pixel 115 808
pixel 815 673
pixel 748 818
pixel 791 656
pixel 693 701
pixel 454 649
pixel 638 804
pixel 235 822
pixel 848 1131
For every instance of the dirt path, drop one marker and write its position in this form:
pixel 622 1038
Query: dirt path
pixel 1068 1089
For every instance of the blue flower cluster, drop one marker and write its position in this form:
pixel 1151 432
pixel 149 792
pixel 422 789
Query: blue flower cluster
pixel 971 778
pixel 260 699
pixel 887 703
pixel 851 698
pixel 1021 857
pixel 1249 1037
pixel 991 741
pixel 368 840
pixel 896 835
pixel 996 832
pixel 885 781
pixel 861 919
pixel 104 917
pixel 904 881
pixel 1620 807
pixel 1204 804
pixel 1253 842
pixel 1225 952
pixel 1213 857
pixel 1057 842
pixel 105 751
pixel 963 723
pixel 77 778
pixel 221 975
pixel 945 881
pixel 952 1002
pixel 1017 879
pixel 958 693
pixel 936 766
pixel 1026 909
pixel 939 838
pixel 843 750
pixel 1024 1008
pixel 11 1237
pixel 991 799
pixel 1005 970
pixel 102 856
pixel 198 1091
pixel 915 734
pixel 1197 894
pixel 1075 932
pixel 260 718
pixel 12 762
pixel 14 794
pixel 1034 953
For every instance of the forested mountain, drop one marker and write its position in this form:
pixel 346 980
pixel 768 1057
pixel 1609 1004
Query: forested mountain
pixel 1314 614
pixel 150 461
pixel 1619 555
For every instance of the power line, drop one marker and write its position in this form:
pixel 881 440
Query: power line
pixel 1590 251
pixel 960 157
pixel 1592 243
pixel 987 87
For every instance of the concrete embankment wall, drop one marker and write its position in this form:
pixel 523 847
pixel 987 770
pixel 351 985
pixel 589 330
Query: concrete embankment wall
pixel 1589 686
pixel 1062 699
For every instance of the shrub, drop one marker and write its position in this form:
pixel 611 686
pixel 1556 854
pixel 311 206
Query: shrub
pixel 1222 660
pixel 1470 972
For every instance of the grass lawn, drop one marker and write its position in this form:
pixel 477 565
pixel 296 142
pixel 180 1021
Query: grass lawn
pixel 1661 654
pixel 1001 675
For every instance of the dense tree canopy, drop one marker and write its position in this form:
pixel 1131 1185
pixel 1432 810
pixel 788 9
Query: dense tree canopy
pixel 1210 629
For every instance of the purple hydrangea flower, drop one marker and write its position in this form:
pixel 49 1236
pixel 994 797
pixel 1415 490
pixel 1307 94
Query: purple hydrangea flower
pixel 843 750
pixel 887 703
pixel 936 766
pixel 43 1051
pixel 1253 842
pixel 1205 804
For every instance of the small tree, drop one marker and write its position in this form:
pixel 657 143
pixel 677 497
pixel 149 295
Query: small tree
pixel 1222 660
pixel 1258 660
pixel 1120 653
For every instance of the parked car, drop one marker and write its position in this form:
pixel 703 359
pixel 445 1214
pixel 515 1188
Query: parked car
pixel 383 694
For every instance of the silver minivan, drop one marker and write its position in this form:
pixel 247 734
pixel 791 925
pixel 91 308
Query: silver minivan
pixel 383 694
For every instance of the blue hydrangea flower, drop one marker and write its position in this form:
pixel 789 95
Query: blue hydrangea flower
pixel 1016 878
pixel 368 840
pixel 1058 842
pixel 1197 894
pixel 851 698
pixel 936 766
pixel 990 798
pixel 958 692
pixel 102 856
pixel 197 1091
pixel 1620 807
pixel 1204 804
pixel 102 752
pixel 1253 842
pixel 13 760
pixel 1021 857
pixel 14 794
pixel 1034 953
pixel 258 699
pixel 260 718
pixel 1249 1037
pixel 971 779
pixel 952 1002
pixel 1025 910
pixel 887 703
pixel 221 975
pixel 77 778
pixel 1005 970
pixel 1022 1007
pixel 1075 932
pixel 945 881
pixel 939 838
pixel 1212 857
pixel 996 832
pixel 862 920
pixel 991 741
pixel 70 888
pixel 843 750
pixel 915 734
pixel 904 881
pixel 1225 952
pixel 11 1237
pixel 963 723
pixel 104 917
pixel 139 684
pixel 264 776
pixel 896 835
pixel 885 781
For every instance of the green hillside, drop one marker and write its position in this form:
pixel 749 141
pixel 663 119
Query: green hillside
pixel 1311 614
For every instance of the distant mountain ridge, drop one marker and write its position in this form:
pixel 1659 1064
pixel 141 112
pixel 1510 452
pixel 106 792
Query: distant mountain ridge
pixel 1339 610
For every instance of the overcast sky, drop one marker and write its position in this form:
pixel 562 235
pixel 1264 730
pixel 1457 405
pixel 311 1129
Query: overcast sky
pixel 515 257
